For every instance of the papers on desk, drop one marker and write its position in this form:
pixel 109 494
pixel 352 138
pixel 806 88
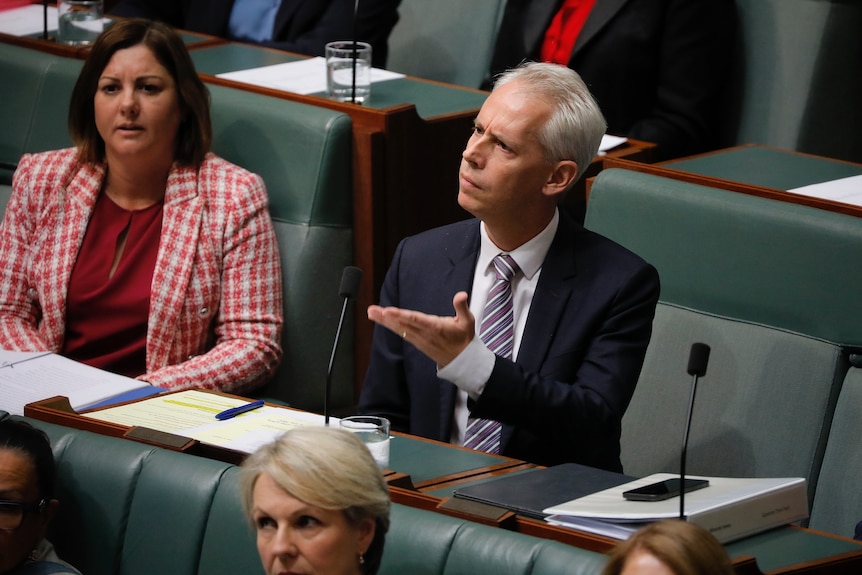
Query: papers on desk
pixel 26 377
pixel 610 142
pixel 306 76
pixel 192 414
pixel 730 508
pixel 27 20
pixel 846 190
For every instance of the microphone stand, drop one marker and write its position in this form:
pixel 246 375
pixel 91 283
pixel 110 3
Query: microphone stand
pixel 350 278
pixel 45 19
pixel 697 360
pixel 353 80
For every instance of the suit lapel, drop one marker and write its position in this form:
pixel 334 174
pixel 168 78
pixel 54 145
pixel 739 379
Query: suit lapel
pixel 600 15
pixel 536 19
pixel 285 12
pixel 551 297
pixel 181 225
pixel 462 252
pixel 76 208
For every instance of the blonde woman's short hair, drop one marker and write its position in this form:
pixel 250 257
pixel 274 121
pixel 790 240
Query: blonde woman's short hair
pixel 329 468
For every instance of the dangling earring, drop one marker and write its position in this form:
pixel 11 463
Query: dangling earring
pixel 361 559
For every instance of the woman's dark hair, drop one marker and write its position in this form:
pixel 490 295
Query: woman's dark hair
pixel 194 136
pixel 20 436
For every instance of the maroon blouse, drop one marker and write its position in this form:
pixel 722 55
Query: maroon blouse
pixel 106 315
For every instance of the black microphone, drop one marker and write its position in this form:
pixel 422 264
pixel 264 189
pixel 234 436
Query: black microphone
pixel 697 360
pixel 45 20
pixel 353 82
pixel 350 279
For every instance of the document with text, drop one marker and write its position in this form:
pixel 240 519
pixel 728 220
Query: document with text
pixel 26 377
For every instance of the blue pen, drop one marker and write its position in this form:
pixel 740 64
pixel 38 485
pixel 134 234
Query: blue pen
pixel 234 411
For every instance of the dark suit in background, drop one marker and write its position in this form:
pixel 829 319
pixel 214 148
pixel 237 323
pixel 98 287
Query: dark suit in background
pixel 656 67
pixel 579 359
pixel 302 26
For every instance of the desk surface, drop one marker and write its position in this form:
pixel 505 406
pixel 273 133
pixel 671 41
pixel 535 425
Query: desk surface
pixel 766 167
pixel 756 170
pixel 776 551
pixel 431 99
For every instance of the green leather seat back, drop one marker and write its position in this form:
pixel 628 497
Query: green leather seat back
pixel 96 487
pixel 229 544
pixel 838 503
pixel 32 81
pixel 49 124
pixel 304 155
pixel 739 256
pixel 168 514
pixel 426 543
pixel 795 81
pixel 449 41
pixel 768 285
pixel 129 508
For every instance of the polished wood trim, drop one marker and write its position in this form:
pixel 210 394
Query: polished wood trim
pixel 667 170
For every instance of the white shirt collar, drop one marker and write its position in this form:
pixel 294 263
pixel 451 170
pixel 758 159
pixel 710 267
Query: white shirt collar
pixel 529 256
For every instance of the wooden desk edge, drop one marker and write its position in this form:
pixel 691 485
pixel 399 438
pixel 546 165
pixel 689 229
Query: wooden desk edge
pixel 730 185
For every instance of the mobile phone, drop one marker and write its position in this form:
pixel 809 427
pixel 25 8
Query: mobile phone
pixel 663 489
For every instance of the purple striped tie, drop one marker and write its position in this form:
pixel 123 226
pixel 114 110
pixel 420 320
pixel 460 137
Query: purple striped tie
pixel 497 331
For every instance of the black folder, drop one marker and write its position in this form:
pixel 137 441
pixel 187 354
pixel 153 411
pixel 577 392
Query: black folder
pixel 531 492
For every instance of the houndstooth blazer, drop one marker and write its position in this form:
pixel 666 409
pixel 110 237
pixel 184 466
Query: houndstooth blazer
pixel 215 306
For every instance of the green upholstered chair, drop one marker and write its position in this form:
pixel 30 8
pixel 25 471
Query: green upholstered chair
pixel 304 155
pixel 796 82
pixel 127 508
pixel 449 41
pixel 35 93
pixel 838 501
pixel 769 286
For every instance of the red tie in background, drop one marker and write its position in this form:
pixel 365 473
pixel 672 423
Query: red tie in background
pixel 562 33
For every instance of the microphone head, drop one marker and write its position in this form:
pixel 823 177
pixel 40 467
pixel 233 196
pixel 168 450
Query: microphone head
pixel 697 359
pixel 350 279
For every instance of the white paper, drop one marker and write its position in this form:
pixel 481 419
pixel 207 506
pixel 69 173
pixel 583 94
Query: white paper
pixel 35 376
pixel 846 190
pixel 27 20
pixel 610 142
pixel 301 77
pixel 610 505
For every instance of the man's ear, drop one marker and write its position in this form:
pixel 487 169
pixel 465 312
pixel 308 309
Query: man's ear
pixel 564 174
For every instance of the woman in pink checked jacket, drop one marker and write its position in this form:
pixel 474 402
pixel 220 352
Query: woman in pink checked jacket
pixel 139 251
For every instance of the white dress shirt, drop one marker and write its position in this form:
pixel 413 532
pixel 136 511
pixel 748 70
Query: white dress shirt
pixel 472 368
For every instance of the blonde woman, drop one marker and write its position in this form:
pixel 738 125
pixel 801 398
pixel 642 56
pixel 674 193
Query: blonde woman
pixel 318 503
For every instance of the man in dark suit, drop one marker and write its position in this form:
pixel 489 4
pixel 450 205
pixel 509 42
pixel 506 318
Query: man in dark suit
pixel 656 67
pixel 302 26
pixel 581 306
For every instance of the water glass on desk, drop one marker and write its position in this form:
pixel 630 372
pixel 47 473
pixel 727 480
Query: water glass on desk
pixel 341 84
pixel 374 433
pixel 79 22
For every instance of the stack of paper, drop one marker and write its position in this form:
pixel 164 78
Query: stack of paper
pixel 191 413
pixel 26 377
pixel 730 507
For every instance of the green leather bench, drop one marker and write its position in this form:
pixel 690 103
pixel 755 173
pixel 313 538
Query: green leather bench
pixel 837 504
pixel 128 508
pixel 304 155
pixel 772 288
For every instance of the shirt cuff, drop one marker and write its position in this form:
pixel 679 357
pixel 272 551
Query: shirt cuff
pixel 471 369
